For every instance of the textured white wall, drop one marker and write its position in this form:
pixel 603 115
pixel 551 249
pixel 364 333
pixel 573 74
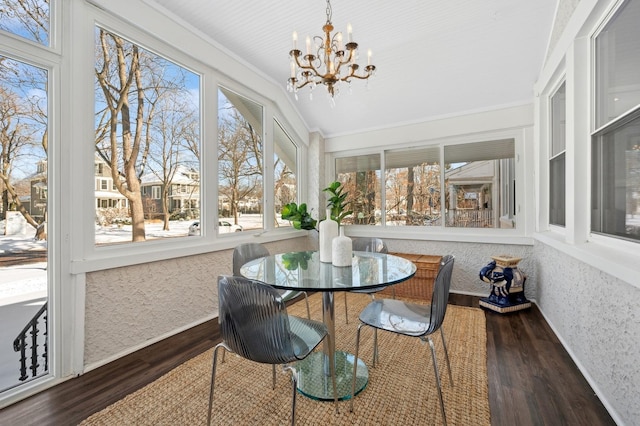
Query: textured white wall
pixel 597 317
pixel 125 307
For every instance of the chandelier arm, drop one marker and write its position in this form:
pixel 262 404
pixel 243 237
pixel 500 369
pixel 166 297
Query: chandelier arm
pixel 307 67
pixel 341 62
pixel 361 77
pixel 304 84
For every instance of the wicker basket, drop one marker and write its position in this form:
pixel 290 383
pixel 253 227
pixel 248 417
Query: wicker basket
pixel 420 286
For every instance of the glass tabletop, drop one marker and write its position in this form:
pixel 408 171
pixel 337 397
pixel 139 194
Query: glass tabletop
pixel 303 271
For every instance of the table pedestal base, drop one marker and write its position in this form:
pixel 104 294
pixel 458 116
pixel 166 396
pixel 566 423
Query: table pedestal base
pixel 315 381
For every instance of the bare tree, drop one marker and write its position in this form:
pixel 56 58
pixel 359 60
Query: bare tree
pixel 239 159
pixel 119 78
pixel 22 124
pixel 175 124
pixel 132 84
pixel 31 16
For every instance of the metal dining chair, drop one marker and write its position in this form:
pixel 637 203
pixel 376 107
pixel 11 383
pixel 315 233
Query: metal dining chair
pixel 250 251
pixel 414 320
pixel 255 325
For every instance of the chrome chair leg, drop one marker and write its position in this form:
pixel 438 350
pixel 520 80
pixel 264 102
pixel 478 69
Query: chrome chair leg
pixel 213 377
pixel 375 347
pixel 376 357
pixel 306 299
pixel 355 368
pixel 346 310
pixel 294 382
pixel 273 369
pixel 446 356
pixel 435 370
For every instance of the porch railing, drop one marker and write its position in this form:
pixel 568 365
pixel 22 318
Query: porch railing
pixel 27 344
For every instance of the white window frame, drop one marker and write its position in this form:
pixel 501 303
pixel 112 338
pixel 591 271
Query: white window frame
pixel 524 203
pixel 156 192
pixel 87 257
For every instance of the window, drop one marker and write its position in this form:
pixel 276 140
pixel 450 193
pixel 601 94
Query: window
pixel 27 220
pixel 240 160
pixel 284 169
pixel 155 192
pixel 361 176
pixel 412 187
pixel 27 19
pixel 616 181
pixel 158 140
pixel 480 184
pixel 615 146
pixel 474 189
pixel 557 158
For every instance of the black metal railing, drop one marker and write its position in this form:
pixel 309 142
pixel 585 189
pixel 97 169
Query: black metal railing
pixel 27 344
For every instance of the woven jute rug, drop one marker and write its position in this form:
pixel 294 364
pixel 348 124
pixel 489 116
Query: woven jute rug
pixel 401 388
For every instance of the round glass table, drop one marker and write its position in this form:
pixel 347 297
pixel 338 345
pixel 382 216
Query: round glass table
pixel 304 271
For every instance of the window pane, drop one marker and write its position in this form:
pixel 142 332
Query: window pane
pixel 558 121
pixel 24 209
pixel 617 64
pixel 557 191
pixel 480 184
pixel 26 18
pixel 360 177
pixel 148 108
pixel 412 187
pixel 240 165
pixel 616 182
pixel 285 168
pixel 557 162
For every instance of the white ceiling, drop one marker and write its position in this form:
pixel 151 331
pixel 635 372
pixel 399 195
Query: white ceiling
pixel 434 58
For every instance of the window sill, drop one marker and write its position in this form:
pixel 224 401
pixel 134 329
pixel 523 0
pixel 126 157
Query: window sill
pixel 606 254
pixel 152 251
pixel 463 235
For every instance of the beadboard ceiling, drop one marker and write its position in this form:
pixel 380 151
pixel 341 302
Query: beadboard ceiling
pixel 434 58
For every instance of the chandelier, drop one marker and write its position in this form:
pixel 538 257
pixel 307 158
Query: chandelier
pixel 326 61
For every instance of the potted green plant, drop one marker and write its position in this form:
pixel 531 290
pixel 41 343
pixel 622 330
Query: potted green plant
pixel 337 201
pixel 299 216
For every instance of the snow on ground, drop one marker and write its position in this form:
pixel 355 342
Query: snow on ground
pixel 30 279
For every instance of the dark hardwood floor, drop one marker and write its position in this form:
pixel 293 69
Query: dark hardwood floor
pixel 532 379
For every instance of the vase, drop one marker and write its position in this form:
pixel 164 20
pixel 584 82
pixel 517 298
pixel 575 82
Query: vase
pixel 328 229
pixel 341 250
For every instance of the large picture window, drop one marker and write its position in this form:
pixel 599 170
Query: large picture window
pixel 412 187
pixel 28 223
pixel 480 184
pixel 473 188
pixel 240 161
pixel 361 176
pixel 616 181
pixel 147 126
pixel 615 147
